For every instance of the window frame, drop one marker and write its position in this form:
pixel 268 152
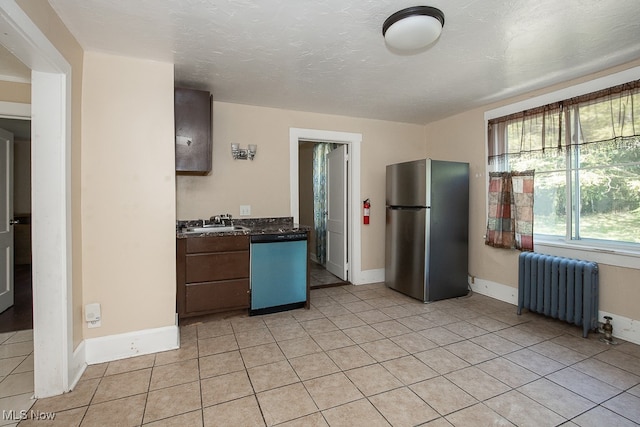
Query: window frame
pixel 607 252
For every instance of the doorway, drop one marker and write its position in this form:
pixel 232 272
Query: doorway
pixel 19 316
pixel 352 142
pixel 323 205
pixel 56 366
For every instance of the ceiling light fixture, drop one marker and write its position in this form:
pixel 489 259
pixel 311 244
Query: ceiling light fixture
pixel 413 28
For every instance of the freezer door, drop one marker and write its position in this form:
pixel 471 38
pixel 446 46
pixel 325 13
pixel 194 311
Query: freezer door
pixel 407 184
pixel 448 230
pixel 405 251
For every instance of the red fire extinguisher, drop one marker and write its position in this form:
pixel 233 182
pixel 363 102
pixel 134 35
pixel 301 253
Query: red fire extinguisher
pixel 366 206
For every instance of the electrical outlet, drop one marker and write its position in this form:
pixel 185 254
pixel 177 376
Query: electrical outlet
pixel 245 210
pixel 92 315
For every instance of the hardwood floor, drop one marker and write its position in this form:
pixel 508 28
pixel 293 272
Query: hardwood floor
pixel 20 316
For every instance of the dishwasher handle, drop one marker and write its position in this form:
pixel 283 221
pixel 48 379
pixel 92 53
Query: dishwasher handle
pixel 283 237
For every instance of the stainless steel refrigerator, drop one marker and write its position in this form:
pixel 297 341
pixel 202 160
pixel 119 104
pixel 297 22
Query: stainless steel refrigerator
pixel 427 229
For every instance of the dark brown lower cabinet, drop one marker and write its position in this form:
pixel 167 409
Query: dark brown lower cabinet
pixel 212 274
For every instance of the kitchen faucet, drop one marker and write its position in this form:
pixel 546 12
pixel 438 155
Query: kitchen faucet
pixel 224 219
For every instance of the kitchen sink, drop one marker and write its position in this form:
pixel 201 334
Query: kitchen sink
pixel 214 229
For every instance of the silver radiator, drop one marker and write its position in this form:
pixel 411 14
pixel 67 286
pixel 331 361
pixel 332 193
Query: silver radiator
pixel 562 288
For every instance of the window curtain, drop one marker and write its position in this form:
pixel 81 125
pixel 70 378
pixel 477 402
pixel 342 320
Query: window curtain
pixel 598 122
pixel 613 128
pixel 525 135
pixel 510 223
pixel 320 151
pixel 552 129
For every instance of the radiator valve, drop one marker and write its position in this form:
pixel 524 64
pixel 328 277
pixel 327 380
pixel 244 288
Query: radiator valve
pixel 607 328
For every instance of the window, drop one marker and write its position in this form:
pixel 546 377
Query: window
pixel 586 155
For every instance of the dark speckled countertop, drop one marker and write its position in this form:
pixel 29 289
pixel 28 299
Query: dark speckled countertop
pixel 253 226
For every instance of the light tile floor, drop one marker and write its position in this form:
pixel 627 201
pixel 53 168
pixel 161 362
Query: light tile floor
pixel 361 356
pixel 319 276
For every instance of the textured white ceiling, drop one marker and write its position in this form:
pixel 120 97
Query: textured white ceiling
pixel 329 56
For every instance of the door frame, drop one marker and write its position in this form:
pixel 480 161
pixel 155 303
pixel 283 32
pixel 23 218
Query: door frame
pixel 55 367
pixel 353 142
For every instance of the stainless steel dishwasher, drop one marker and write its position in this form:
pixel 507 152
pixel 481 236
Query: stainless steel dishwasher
pixel 278 276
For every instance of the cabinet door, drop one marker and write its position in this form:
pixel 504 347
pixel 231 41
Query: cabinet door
pixel 217 244
pixel 217 296
pixel 217 266
pixel 193 131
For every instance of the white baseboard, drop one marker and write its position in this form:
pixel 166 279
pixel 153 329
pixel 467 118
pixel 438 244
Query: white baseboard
pixel 370 276
pixel 495 290
pixel 130 344
pixel 624 328
pixel 78 365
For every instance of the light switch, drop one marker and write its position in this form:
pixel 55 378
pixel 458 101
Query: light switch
pixel 245 210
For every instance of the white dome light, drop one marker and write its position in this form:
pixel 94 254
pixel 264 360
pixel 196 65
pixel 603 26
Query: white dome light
pixel 413 28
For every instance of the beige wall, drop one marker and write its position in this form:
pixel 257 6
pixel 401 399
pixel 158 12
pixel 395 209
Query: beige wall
pixel 128 204
pixel 129 168
pixel 50 24
pixel 462 138
pixel 15 92
pixel 264 182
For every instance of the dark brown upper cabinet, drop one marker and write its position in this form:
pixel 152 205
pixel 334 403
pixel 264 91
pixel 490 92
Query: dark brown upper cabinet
pixel 193 131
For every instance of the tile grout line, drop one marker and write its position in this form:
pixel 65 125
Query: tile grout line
pixel 389 336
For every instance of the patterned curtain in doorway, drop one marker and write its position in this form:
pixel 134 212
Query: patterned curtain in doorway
pixel 510 222
pixel 320 151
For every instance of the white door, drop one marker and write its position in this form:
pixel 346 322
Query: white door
pixel 6 220
pixel 337 212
